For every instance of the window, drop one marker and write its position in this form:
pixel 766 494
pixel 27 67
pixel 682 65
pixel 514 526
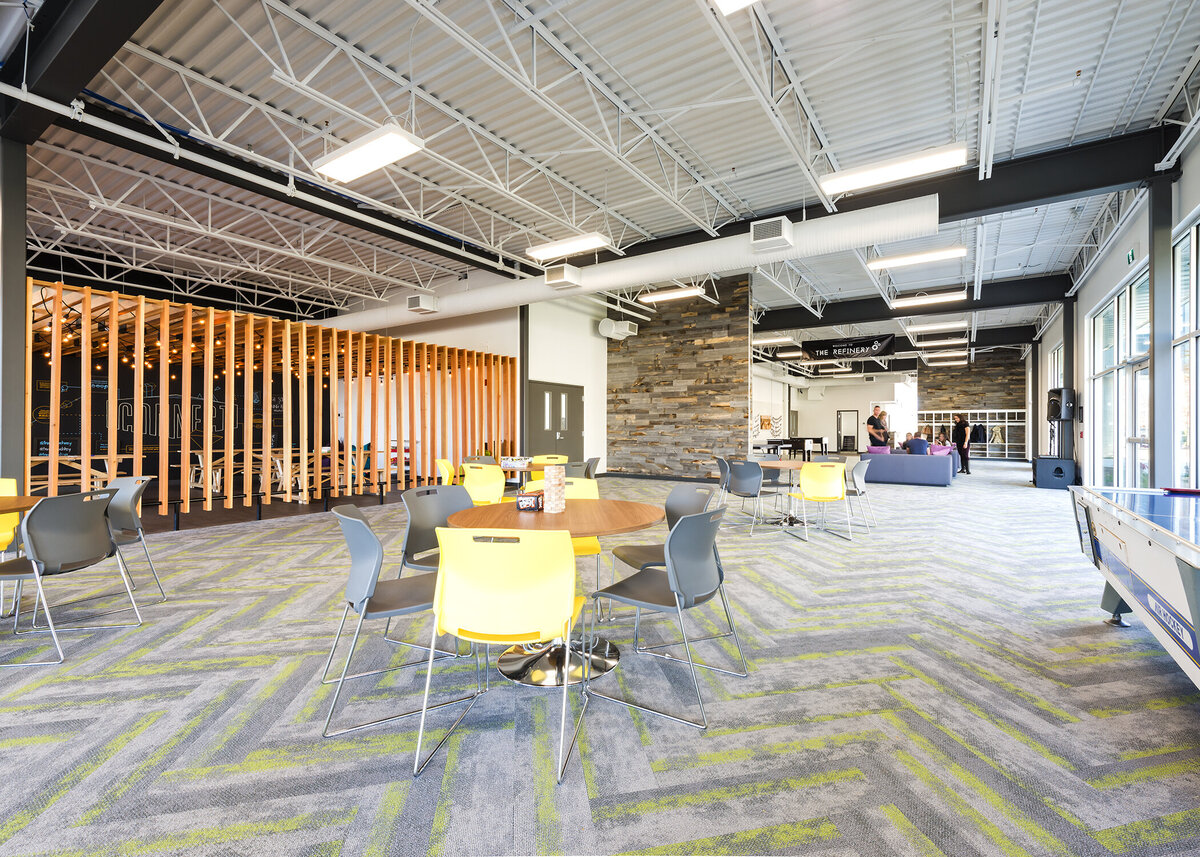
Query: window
pixel 1139 303
pixel 1182 277
pixel 1104 331
pixel 1054 376
pixel 1182 398
pixel 1183 356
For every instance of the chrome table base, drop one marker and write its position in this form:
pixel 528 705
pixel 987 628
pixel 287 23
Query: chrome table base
pixel 541 664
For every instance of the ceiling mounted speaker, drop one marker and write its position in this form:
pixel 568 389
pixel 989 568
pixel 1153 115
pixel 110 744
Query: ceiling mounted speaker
pixel 610 329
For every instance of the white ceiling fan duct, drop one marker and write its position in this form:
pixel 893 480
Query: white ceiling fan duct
pixel 834 233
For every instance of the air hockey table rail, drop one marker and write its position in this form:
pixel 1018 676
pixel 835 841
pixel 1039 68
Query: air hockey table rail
pixel 1144 541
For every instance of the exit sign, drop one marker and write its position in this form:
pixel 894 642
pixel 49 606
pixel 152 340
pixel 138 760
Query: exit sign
pixel 1131 256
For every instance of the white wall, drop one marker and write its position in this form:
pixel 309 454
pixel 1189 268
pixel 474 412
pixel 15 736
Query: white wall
pixel 497 332
pixel 818 406
pixel 768 398
pixel 564 348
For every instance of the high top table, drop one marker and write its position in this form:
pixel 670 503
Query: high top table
pixel 541 664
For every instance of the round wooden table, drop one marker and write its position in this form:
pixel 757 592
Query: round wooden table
pixel 20 504
pixel 543 664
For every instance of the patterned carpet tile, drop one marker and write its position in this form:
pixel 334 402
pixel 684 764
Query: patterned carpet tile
pixel 943 685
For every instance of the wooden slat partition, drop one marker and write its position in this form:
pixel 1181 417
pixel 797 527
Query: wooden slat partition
pixel 377 393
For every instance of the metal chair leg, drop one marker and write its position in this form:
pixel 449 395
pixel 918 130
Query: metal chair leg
pixel 418 765
pixel 41 596
pixel 124 572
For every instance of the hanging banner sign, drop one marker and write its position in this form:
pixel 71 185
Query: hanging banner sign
pixel 850 349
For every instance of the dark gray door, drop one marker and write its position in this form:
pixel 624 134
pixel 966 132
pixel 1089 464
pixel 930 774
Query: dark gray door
pixel 554 420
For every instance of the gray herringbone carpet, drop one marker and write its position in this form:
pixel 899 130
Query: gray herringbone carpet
pixel 942 686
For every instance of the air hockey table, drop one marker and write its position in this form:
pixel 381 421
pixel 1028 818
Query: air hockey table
pixel 1144 542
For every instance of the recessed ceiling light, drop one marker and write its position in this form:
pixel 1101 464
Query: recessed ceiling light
pixel 568 246
pixel 878 264
pixel 922 298
pixel 670 295
pixel 896 169
pixel 385 145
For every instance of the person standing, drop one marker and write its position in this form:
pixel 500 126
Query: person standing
pixel 876 432
pixel 959 434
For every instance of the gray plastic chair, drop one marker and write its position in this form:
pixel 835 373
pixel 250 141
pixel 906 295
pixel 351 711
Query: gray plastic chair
pixel 481 459
pixel 126 524
pixel 682 501
pixel 70 533
pixel 722 477
pixel 833 456
pixel 590 467
pixel 577 468
pixel 692 577
pixel 428 508
pixel 745 481
pixel 858 488
pixel 16 571
pixel 372 598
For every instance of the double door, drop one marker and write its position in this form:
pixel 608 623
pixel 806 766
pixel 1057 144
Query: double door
pixel 554 420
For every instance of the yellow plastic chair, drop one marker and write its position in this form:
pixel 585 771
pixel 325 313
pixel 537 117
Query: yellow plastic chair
pixel 445 470
pixel 822 483
pixel 484 482
pixel 8 531
pixel 505 587
pixel 544 459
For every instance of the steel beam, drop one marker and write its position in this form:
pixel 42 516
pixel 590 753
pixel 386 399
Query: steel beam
pixel 997 294
pixel 71 42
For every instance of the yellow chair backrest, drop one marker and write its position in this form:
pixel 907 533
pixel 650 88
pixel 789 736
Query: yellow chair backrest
pixel 445 470
pixel 578 488
pixel 484 482
pixel 9 522
pixel 823 481
pixel 544 459
pixel 504 586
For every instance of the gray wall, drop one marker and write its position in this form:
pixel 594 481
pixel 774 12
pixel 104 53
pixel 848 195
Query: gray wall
pixel 679 391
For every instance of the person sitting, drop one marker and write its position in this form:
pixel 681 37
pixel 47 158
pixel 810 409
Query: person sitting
pixel 907 438
pixel 917 446
pixel 942 440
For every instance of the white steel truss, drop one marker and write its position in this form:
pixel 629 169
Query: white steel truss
pixel 786 277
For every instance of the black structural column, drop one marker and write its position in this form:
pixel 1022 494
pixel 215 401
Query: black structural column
pixel 1066 429
pixel 13 326
pixel 1160 333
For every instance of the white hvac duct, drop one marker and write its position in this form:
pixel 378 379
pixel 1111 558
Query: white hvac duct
pixel 834 233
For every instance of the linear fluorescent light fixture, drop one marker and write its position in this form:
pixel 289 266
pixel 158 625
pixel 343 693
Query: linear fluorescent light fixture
pixel 937 326
pixel 773 340
pixel 881 262
pixel 950 363
pixel 896 169
pixel 385 145
pixel 938 355
pixel 941 343
pixel 670 295
pixel 922 298
pixel 568 246
pixel 834 370
pixel 728 7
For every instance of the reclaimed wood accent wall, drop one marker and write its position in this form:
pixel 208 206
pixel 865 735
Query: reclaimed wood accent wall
pixel 224 406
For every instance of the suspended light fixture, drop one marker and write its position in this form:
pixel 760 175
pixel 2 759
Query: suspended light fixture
pixel 941 343
pixel 670 295
pixel 385 145
pixel 772 340
pixel 896 169
pixel 937 355
pixel 834 370
pixel 937 326
pixel 950 363
pixel 728 7
pixel 569 246
pixel 881 262
pixel 922 298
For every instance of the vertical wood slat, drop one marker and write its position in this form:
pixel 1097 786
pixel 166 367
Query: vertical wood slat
pixel 164 404
pixel 360 471
pixel 398 404
pixel 139 380
pixel 347 355
pixel 268 410
pixel 186 367
pixel 515 405
pixel 318 413
pixel 426 409
pixel 478 394
pixel 286 353
pixel 55 389
pixel 334 459
pixel 386 344
pixel 412 412
pixel 305 450
pixel 444 411
pixel 85 391
pixel 229 483
pixel 248 468
pixel 209 323
pixel 460 419
pixel 373 383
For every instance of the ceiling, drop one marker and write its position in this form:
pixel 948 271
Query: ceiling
pixel 548 119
